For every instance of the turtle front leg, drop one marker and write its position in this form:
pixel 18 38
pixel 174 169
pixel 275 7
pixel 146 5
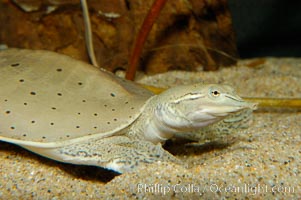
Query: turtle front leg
pixel 118 153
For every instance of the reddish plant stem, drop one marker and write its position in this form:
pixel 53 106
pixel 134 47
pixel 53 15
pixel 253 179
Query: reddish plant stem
pixel 146 27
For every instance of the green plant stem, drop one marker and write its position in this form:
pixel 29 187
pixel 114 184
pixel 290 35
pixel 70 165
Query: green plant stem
pixel 276 102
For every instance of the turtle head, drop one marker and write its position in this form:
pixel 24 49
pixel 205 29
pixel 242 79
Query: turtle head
pixel 189 107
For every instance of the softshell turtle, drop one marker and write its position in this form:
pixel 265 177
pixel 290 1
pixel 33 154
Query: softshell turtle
pixel 72 112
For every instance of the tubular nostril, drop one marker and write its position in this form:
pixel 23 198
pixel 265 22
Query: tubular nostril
pixel 254 106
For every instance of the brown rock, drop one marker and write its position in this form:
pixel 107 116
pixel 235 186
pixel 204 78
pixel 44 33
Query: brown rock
pixel 187 34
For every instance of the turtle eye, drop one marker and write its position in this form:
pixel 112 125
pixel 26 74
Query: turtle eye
pixel 215 93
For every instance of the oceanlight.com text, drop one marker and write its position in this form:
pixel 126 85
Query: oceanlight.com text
pixel 214 188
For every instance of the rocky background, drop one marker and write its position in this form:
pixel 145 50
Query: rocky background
pixel 189 34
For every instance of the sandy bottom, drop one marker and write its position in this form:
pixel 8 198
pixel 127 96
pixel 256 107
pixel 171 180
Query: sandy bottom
pixel 261 161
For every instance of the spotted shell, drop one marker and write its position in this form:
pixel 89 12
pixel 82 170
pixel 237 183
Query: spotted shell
pixel 47 97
